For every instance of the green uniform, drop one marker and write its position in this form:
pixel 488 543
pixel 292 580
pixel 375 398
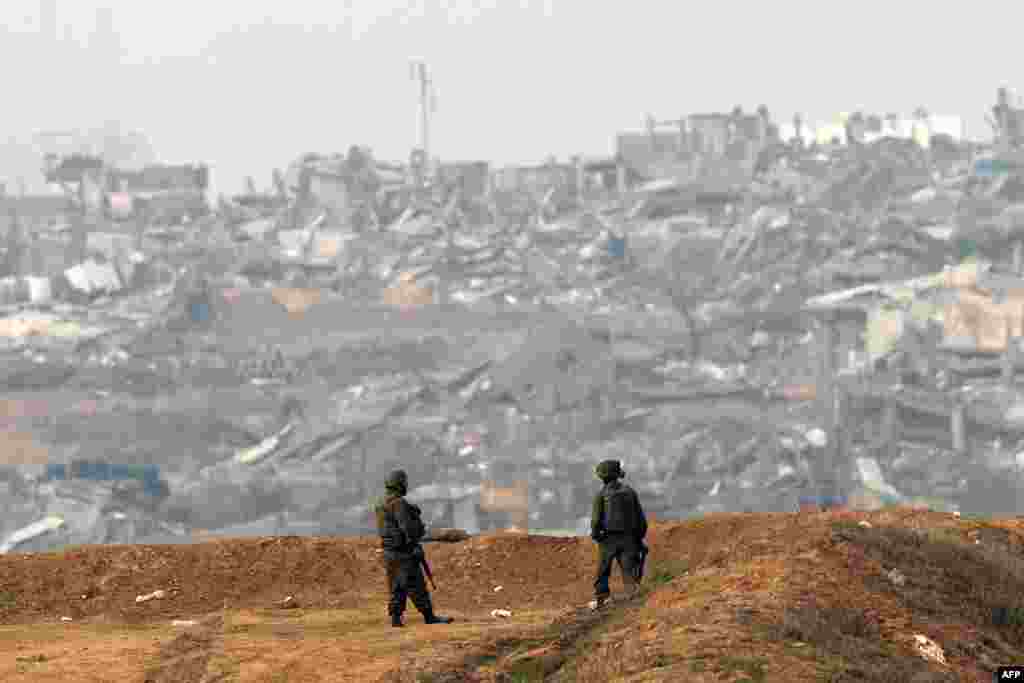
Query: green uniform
pixel 619 532
pixel 401 531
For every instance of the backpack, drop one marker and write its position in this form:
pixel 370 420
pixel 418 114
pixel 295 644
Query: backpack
pixel 389 529
pixel 620 510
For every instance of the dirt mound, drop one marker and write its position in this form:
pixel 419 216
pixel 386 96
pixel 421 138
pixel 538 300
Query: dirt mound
pixel 831 596
pixel 93 581
pixel 786 597
pixel 320 573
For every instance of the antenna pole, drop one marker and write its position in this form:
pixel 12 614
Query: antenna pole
pixel 422 75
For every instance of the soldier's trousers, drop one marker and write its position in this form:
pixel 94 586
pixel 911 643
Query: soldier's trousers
pixel 621 548
pixel 406 581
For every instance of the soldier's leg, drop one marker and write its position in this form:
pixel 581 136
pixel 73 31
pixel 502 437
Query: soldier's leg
pixel 629 563
pixel 421 596
pixel 418 592
pixel 606 556
pixel 398 591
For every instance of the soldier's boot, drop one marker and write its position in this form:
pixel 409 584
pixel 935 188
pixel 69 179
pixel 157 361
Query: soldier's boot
pixel 431 618
pixel 427 610
pixel 426 607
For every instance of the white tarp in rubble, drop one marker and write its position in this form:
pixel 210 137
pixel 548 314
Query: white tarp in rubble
pixel 904 128
pixel 873 479
pixel 91 277
pixel 920 130
pixel 116 248
pixel 787 132
pixel 953 126
pixel 825 133
pixel 34 530
pixel 40 289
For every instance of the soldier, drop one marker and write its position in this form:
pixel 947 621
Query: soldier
pixel 401 530
pixel 618 525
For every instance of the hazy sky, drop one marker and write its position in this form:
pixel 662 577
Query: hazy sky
pixel 516 80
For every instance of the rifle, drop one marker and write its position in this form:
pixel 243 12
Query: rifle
pixel 426 567
pixel 643 561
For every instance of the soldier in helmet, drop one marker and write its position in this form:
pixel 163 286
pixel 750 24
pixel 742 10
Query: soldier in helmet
pixel 618 525
pixel 401 530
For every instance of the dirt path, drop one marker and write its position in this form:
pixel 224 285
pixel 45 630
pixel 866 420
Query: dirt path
pixel 251 645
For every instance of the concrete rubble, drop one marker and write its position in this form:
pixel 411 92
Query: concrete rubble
pixel 749 319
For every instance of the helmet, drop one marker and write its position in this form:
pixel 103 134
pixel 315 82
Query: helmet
pixel 609 470
pixel 397 482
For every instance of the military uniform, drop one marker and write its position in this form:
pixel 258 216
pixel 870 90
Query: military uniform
pixel 401 530
pixel 618 525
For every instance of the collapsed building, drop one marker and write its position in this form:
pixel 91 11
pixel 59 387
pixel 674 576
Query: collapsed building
pixel 747 324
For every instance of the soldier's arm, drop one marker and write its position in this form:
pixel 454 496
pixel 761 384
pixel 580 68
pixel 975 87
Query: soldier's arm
pixel 380 514
pixel 596 517
pixel 640 516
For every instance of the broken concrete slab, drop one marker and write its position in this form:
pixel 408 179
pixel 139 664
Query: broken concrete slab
pixel 92 278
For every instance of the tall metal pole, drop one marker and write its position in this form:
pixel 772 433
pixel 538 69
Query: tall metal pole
pixel 420 73
pixel 425 111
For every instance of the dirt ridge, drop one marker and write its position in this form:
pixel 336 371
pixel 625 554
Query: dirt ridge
pixel 757 597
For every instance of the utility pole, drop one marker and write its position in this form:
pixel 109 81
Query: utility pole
pixel 428 104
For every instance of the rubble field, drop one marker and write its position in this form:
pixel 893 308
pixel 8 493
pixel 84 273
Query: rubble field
pixel 775 597
pixel 838 324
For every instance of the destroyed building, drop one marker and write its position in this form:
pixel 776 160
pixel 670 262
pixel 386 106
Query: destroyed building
pixel 747 323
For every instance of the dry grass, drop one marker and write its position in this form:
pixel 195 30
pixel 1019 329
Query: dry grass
pixel 842 636
pixel 850 642
pixel 612 651
pixel 664 572
pixel 949 577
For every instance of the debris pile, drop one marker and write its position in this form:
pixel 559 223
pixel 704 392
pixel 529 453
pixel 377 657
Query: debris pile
pixel 749 321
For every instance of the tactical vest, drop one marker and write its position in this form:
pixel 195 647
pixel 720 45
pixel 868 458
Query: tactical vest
pixel 393 539
pixel 620 510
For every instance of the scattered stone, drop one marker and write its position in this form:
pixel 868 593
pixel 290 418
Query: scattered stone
pixel 155 595
pixel 929 649
pixel 897 577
